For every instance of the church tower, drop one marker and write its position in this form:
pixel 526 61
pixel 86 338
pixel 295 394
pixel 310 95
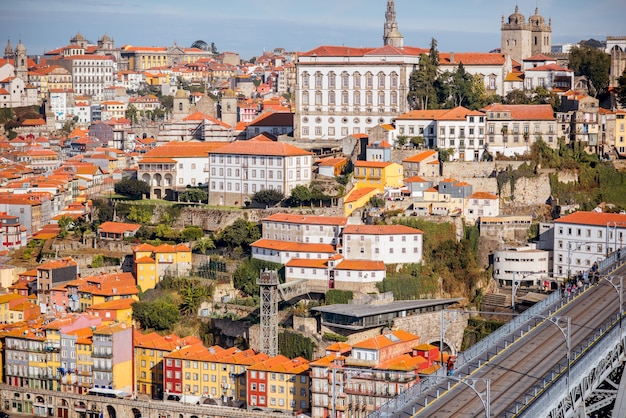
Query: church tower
pixel 541 34
pixel 8 51
pixel 391 35
pixel 515 40
pixel 21 62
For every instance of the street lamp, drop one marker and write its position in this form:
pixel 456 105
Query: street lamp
pixel 619 289
pixel 570 250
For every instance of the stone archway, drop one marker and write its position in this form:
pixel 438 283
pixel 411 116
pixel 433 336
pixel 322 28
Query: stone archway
pixel 136 413
pixel 63 409
pixel 111 412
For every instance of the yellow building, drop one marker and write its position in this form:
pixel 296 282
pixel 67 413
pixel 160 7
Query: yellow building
pixel 117 310
pixel 85 292
pixel 377 174
pixel 214 372
pixel 279 384
pixel 149 352
pixel 152 263
pixel 84 362
pixel 6 303
pixel 357 198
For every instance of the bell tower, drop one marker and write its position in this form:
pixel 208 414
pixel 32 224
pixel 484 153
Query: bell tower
pixel 391 34
pixel 21 62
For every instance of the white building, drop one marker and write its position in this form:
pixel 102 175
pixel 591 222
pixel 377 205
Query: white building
pixel 283 251
pixel 583 238
pixel 171 167
pixel 527 264
pixel 343 90
pixel 480 204
pixel 512 129
pixel 303 228
pixel 91 74
pixel 392 244
pixel 459 129
pixel 241 168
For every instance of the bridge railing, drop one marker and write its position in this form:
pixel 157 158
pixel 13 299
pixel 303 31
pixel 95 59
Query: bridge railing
pixel 507 329
pixel 554 387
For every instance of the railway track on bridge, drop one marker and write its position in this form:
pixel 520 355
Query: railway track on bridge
pixel 519 367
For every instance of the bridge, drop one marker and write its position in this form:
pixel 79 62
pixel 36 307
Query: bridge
pixel 562 358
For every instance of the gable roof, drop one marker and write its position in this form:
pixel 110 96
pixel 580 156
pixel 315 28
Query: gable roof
pixel 260 145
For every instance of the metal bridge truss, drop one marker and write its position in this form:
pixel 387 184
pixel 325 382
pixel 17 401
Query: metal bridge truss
pixel 595 376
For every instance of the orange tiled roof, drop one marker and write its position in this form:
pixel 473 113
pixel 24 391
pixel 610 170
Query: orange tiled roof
pixel 386 340
pixel 524 112
pixel 260 145
pixel 594 218
pixel 293 246
pixel 419 157
pixel 380 230
pixel 483 195
pixel 361 265
pixel 177 149
pixel 356 194
pixel 307 219
pixel 118 227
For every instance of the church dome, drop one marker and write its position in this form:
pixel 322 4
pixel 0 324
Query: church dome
pixel 537 19
pixel 20 47
pixel 105 38
pixel 517 18
pixel 78 37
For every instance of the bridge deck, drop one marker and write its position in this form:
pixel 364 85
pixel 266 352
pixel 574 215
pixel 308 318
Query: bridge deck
pixel 517 368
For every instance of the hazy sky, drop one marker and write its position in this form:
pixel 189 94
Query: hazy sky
pixel 249 27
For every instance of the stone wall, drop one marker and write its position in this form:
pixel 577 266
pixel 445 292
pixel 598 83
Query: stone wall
pixel 428 327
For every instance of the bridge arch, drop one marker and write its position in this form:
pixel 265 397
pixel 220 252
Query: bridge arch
pixel 136 413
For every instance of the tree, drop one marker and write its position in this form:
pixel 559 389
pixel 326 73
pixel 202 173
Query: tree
pixel 132 188
pixel 193 195
pixel 140 215
pixel 620 91
pixel 268 197
pixel 292 344
pixel 159 315
pixel 517 96
pixel 165 232
pixel 422 80
pixel 102 210
pixel 191 233
pixel 203 245
pixel 593 64
pixel 65 224
pixel 131 113
pixel 300 195
pixel 240 233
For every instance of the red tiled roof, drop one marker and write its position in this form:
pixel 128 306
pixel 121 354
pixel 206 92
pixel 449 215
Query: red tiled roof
pixel 118 227
pixel 380 230
pixel 356 194
pixel 361 265
pixel 260 145
pixel 177 149
pixel 418 158
pixel 307 219
pixel 524 112
pixel 294 246
pixel 594 218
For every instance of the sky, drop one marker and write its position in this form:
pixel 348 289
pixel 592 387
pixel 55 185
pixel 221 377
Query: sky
pixel 251 27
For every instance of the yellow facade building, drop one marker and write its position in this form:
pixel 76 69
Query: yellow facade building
pixel 377 174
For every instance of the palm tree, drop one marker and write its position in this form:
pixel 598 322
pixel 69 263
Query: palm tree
pixel 203 245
